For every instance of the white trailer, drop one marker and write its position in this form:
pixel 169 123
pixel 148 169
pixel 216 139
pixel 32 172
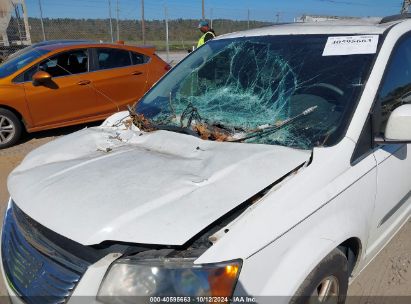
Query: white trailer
pixel 18 37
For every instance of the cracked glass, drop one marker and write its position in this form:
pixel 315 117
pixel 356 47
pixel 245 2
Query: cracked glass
pixel 263 86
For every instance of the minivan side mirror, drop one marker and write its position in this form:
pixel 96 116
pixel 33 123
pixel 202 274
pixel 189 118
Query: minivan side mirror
pixel 40 78
pixel 398 128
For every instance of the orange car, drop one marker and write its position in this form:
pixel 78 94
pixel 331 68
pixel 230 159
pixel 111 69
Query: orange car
pixel 63 84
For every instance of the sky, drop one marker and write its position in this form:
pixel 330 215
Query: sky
pixel 264 10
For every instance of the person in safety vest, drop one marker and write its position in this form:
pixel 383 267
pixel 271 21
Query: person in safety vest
pixel 208 33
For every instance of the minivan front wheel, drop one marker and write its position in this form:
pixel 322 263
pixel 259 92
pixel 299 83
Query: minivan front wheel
pixel 10 128
pixel 327 283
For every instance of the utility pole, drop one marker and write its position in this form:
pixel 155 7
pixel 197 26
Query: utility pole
pixel 167 43
pixel 26 22
pixel 211 17
pixel 16 11
pixel 117 17
pixel 111 21
pixel 248 18
pixel 41 21
pixel 277 17
pixel 203 10
pixel 143 23
pixel 405 6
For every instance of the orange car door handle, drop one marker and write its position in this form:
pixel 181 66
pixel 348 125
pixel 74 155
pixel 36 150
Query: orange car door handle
pixel 84 82
pixel 137 73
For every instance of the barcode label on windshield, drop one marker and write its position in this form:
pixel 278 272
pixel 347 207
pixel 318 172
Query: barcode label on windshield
pixel 351 45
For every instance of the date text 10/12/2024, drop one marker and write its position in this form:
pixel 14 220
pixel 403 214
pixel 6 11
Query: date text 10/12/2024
pixel 205 299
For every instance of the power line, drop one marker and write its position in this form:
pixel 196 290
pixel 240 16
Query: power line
pixel 277 17
pixel 118 16
pixel 143 26
pixel 248 18
pixel 111 23
pixel 41 21
pixel 167 42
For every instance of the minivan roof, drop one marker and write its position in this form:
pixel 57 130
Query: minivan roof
pixel 339 26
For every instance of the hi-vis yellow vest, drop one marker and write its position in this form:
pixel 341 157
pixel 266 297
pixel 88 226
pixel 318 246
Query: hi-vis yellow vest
pixel 201 41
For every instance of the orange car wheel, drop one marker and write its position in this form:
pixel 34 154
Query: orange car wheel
pixel 10 128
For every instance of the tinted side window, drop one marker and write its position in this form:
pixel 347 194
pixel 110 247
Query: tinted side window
pixel 67 63
pixel 113 58
pixel 27 75
pixel 139 58
pixel 396 86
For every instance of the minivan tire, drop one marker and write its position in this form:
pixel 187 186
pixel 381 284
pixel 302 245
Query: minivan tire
pixel 332 271
pixel 10 128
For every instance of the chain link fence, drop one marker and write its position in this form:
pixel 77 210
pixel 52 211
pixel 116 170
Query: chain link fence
pixel 14 27
pixel 166 22
pixel 112 20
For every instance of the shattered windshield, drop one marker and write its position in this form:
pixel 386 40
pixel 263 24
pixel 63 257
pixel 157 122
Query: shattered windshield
pixel 277 90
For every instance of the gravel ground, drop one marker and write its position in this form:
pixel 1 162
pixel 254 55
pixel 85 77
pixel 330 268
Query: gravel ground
pixel 173 58
pixel 388 275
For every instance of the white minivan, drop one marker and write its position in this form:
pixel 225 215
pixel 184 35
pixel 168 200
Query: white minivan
pixel 269 166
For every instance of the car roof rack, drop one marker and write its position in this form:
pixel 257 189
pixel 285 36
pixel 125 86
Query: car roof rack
pixel 395 18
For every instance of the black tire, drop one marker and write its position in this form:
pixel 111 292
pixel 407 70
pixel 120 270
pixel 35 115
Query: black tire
pixel 9 121
pixel 334 267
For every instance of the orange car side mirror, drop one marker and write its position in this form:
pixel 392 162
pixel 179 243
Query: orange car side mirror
pixel 41 77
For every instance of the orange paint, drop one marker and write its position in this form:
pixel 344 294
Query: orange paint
pixel 81 97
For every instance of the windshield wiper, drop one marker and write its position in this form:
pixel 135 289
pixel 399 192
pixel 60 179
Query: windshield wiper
pixel 191 113
pixel 177 129
pixel 145 124
pixel 274 128
pixel 140 121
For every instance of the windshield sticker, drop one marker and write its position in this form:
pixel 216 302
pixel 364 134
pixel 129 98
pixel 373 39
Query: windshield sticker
pixel 351 45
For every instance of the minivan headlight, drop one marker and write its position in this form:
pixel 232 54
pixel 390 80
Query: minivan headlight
pixel 127 279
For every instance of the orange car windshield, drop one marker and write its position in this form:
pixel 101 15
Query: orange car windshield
pixel 13 65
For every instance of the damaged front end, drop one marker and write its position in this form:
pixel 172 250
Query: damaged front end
pixel 145 270
pixel 29 249
pixel 173 271
pixel 140 187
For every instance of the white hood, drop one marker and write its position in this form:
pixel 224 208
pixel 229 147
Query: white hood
pixel 103 183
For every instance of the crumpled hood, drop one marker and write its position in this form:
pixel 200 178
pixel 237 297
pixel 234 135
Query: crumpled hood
pixel 103 183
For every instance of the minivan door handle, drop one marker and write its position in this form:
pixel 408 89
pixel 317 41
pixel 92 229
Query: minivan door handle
pixel 84 82
pixel 136 73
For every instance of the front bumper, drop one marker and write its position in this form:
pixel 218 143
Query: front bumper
pixel 12 295
pixel 85 290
